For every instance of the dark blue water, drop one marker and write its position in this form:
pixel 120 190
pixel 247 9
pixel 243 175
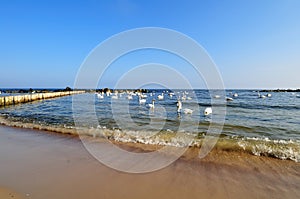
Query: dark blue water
pixel 265 126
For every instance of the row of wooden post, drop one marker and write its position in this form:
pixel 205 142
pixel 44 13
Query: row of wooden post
pixel 11 100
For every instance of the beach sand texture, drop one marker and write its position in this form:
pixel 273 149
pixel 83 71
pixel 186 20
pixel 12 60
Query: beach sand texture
pixel 45 165
pixel 9 194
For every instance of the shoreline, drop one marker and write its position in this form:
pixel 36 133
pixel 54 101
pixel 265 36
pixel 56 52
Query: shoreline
pixel 52 165
pixel 285 150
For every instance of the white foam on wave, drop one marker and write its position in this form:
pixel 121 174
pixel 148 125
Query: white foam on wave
pixel 167 138
pixel 281 149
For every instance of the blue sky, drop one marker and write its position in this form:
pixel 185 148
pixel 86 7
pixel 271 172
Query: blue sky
pixel 254 43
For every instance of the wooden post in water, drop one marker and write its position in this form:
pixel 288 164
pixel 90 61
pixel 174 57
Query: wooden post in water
pixel 9 100
pixel 2 101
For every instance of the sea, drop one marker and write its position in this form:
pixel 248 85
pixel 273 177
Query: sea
pixel 260 123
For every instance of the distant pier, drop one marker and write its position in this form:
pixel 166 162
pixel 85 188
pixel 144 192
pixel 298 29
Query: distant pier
pixel 17 99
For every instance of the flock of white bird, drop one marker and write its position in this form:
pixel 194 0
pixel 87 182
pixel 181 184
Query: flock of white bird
pixel 142 99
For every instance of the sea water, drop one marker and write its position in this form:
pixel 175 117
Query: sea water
pixel 262 126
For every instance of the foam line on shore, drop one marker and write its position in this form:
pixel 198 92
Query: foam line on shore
pixel 279 149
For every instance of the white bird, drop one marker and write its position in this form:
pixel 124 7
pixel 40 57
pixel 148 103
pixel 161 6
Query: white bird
pixel 160 97
pixel 129 97
pixel 142 101
pixel 179 106
pixel 261 96
pixel 258 94
pixel 269 95
pixel 187 111
pixel 235 95
pixel 208 111
pixel 144 96
pixel 100 96
pixel 229 99
pixel 217 96
pixel 151 105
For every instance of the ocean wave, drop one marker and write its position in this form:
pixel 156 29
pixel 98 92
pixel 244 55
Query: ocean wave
pixel 280 149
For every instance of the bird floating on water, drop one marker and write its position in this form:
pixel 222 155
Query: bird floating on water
pixel 114 96
pixel 129 97
pixel 100 96
pixel 144 96
pixel 229 99
pixel 261 96
pixel 142 101
pixel 187 111
pixel 151 105
pixel 208 111
pixel 160 97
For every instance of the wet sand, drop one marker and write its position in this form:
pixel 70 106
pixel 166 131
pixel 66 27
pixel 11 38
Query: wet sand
pixel 9 194
pixel 44 165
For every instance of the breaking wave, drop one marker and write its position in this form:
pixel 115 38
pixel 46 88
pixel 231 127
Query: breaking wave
pixel 280 149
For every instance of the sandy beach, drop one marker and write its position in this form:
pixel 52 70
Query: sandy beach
pixel 44 165
pixel 7 194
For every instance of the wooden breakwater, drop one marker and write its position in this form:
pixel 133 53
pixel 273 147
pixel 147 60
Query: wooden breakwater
pixel 17 99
